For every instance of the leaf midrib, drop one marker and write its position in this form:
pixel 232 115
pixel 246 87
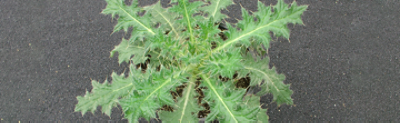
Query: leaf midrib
pixel 168 21
pixel 137 21
pixel 148 96
pixel 216 8
pixel 249 33
pixel 244 35
pixel 219 97
pixel 113 92
pixel 186 101
pixel 166 82
pixel 189 23
pixel 265 74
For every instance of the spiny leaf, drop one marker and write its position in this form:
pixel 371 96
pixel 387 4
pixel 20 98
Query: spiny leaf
pixel 128 48
pixel 167 45
pixel 150 94
pixel 208 30
pixel 105 95
pixel 268 21
pixel 163 49
pixel 225 64
pixel 226 103
pixel 187 10
pixel 259 48
pixel 176 44
pixel 128 16
pixel 156 60
pixel 273 82
pixel 185 110
pixel 253 102
pixel 214 9
pixel 192 59
pixel 165 17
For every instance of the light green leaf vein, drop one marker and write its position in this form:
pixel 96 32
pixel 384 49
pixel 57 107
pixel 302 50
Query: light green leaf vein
pixel 189 23
pixel 186 101
pixel 216 8
pixel 265 74
pixel 161 86
pixel 137 21
pixel 219 97
pixel 165 15
pixel 130 84
pixel 229 42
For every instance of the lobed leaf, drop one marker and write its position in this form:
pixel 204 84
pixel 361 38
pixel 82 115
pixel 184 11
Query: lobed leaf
pixel 209 31
pixel 253 101
pixel 151 94
pixel 187 10
pixel 166 45
pixel 165 17
pixel 185 110
pixel 128 16
pixel 226 103
pixel 214 9
pixel 267 21
pixel 258 71
pixel 224 64
pixel 128 48
pixel 163 50
pixel 105 95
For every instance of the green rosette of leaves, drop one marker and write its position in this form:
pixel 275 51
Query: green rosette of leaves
pixel 181 46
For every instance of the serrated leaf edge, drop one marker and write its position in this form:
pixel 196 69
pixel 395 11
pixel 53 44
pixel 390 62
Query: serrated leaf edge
pixel 219 97
pixel 187 17
pixel 240 37
pixel 137 21
pixel 166 19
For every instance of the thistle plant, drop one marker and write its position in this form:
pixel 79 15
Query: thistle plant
pixel 182 64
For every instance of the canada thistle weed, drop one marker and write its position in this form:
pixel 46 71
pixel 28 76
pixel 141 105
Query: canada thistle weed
pixel 190 68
